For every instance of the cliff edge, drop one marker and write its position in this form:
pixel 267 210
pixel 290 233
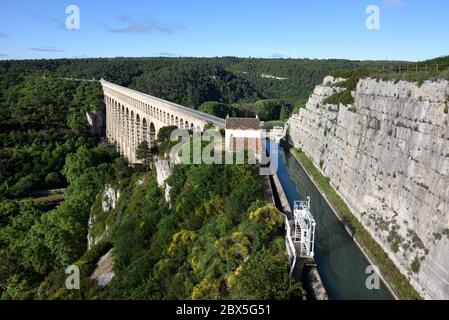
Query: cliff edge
pixel 387 155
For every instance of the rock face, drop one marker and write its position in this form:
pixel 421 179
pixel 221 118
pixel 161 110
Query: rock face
pixel 109 201
pixel 110 198
pixel 164 169
pixel 96 120
pixel 104 273
pixel 92 240
pixel 388 157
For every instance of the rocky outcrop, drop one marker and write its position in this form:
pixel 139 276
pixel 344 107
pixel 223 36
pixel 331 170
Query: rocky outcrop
pixel 164 168
pixel 91 239
pixel 96 120
pixel 110 198
pixel 109 202
pixel 388 157
pixel 104 272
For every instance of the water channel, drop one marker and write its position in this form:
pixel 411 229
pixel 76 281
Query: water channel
pixel 341 264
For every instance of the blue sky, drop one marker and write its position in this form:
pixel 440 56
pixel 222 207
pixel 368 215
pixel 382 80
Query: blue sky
pixel 409 29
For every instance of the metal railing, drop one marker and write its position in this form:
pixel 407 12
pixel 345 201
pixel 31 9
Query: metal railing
pixel 304 228
pixel 414 68
pixel 289 244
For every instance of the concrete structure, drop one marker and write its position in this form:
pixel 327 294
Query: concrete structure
pixel 132 117
pixel 244 134
pixel 277 134
pixel 304 229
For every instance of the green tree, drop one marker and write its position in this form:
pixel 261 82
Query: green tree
pixel 265 277
pixel 164 133
pixel 218 109
pixel 143 152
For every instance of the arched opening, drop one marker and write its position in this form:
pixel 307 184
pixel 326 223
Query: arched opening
pixel 176 123
pixel 138 130
pixel 132 131
pixel 186 125
pixel 119 125
pixel 123 127
pixel 145 136
pixel 164 119
pixel 181 124
pixel 172 120
pixel 126 129
pixel 152 134
pixel 192 127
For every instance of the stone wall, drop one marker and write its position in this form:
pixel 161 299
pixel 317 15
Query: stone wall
pixel 388 157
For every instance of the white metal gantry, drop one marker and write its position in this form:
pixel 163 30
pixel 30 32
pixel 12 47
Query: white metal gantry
pixel 304 228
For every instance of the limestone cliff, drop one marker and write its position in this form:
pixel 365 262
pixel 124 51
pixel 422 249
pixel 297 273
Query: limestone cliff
pixel 164 169
pixel 388 157
pixel 109 199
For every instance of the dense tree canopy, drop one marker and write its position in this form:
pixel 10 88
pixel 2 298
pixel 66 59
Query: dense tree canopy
pixel 193 81
pixel 42 120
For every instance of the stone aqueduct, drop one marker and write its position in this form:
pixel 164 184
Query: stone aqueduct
pixel 132 117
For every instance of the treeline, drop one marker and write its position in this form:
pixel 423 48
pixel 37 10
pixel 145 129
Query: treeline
pixel 193 81
pixel 266 109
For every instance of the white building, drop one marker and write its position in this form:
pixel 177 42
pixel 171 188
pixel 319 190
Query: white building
pixel 244 134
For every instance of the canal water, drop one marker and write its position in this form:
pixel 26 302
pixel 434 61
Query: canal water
pixel 341 264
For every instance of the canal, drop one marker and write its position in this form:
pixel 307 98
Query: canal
pixel 341 264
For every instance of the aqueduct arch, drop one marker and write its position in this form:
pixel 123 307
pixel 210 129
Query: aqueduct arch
pixel 132 117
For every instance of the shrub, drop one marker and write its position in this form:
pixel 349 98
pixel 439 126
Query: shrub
pixel 164 133
pixel 415 265
pixel 394 246
pixel 446 232
pixel 345 98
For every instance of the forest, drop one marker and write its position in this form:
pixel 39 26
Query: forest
pixel 241 84
pixel 222 241
pixel 43 127
pixel 218 242
pixel 43 119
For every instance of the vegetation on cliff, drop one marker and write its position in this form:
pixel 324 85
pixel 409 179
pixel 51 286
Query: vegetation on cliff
pixel 218 240
pixel 434 69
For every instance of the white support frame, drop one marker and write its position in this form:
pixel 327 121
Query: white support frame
pixel 304 228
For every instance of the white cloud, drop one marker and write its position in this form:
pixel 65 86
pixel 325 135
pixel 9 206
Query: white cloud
pixel 46 49
pixel 136 26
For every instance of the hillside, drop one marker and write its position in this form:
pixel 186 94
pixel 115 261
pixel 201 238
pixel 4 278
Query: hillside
pixel 193 81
